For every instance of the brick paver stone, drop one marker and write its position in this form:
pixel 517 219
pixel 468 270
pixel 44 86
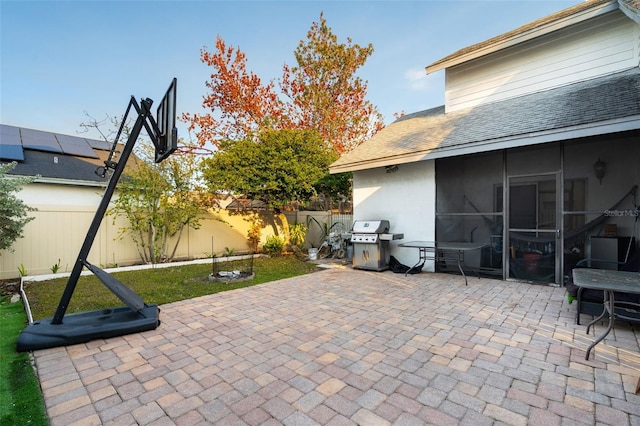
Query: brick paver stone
pixel 344 346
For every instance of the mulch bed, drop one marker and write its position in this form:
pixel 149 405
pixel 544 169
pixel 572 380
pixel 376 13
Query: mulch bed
pixel 9 287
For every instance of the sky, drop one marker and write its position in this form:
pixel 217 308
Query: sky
pixel 63 60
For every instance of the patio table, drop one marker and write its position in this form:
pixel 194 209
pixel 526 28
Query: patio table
pixel 443 250
pixel 609 281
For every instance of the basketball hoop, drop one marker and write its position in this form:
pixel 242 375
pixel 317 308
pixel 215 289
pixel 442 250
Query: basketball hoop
pixel 166 133
pixel 193 150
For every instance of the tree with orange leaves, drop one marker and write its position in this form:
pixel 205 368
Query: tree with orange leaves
pixel 242 103
pixel 322 92
pixel 325 92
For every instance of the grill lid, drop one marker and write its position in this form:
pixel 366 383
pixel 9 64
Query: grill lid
pixel 371 226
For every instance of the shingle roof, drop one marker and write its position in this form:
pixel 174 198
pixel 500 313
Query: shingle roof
pixel 52 155
pixel 59 166
pixel 432 132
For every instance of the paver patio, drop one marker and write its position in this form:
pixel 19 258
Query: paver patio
pixel 343 346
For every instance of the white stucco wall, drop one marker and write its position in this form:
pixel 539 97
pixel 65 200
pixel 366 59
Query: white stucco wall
pixel 407 198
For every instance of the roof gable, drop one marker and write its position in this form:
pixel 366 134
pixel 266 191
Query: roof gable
pixel 578 13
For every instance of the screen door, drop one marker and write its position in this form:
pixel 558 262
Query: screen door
pixel 533 227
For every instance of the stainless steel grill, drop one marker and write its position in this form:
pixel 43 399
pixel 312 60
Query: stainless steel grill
pixel 371 248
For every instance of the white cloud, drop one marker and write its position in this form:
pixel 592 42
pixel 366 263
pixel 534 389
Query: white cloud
pixel 418 79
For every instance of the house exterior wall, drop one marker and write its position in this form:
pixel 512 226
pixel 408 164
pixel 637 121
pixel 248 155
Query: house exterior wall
pixel 597 47
pixel 476 183
pixel 406 198
pixel 65 213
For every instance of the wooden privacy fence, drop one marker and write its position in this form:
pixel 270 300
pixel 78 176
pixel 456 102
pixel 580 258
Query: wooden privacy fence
pixel 55 236
pixel 53 239
pixel 319 224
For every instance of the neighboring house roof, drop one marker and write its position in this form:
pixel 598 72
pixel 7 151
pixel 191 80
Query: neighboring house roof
pixel 578 13
pixel 631 8
pixel 242 203
pixel 55 157
pixel 598 106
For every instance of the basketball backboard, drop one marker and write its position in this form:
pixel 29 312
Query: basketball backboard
pixel 166 119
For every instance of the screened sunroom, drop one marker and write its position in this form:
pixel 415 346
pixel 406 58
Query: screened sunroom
pixel 541 209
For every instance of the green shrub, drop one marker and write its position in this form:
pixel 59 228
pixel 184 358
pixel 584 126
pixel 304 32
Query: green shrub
pixel 297 234
pixel 274 246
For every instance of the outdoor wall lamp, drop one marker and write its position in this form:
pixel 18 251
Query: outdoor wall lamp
pixel 600 168
pixel 391 169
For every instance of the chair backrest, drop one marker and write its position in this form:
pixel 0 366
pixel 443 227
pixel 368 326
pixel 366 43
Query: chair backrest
pixel 632 264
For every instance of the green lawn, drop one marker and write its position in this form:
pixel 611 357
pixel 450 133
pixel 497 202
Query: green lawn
pixel 155 286
pixel 20 396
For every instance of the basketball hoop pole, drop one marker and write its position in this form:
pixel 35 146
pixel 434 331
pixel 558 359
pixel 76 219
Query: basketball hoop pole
pixel 137 316
pixel 144 114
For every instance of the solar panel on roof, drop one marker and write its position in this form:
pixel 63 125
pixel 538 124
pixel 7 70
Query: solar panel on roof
pixel 72 145
pixel 39 140
pixel 10 146
pixel 6 130
pixel 97 144
pixel 11 152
